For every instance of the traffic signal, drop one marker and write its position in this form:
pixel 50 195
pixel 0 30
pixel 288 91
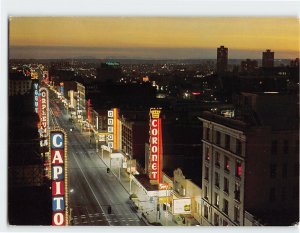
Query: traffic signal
pixel 108 170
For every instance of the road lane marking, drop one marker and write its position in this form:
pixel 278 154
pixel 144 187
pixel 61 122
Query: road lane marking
pixel 89 186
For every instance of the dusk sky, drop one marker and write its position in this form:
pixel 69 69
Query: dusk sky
pixel 152 37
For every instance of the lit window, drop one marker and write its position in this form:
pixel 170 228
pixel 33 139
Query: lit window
pixel 217 199
pixel 238 171
pixel 205 192
pixel 237 192
pixel 207 157
pixel 226 164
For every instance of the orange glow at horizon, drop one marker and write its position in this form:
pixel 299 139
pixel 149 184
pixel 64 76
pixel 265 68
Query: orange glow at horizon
pixel 246 33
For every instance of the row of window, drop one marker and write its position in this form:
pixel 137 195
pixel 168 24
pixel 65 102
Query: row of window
pixel 228 139
pixel 238 167
pixel 285 148
pixel 283 194
pixel 216 217
pixel 284 170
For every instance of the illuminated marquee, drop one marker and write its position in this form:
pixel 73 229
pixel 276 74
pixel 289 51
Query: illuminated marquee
pixel 112 128
pixel 155 165
pixel 59 178
pixel 36 96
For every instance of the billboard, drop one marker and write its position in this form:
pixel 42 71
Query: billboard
pixel 155 161
pixel 59 178
pixel 182 206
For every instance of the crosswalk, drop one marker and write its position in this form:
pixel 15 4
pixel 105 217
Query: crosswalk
pixel 102 219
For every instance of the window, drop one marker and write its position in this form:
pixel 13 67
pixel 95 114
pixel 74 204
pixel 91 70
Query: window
pixel 217 162
pixel 297 147
pixel 286 147
pixel 207 134
pixel 237 214
pixel 226 164
pixel 206 171
pixel 225 206
pixel 272 196
pixel 226 185
pixel 205 212
pixel 216 219
pixel 296 169
pixel 284 170
pixel 217 200
pixel 227 142
pixel 238 147
pixel 273 168
pixel 207 157
pixel 218 138
pixel 205 192
pixel 238 168
pixel 237 192
pixel 283 194
pixel 295 192
pixel 274 147
pixel 217 179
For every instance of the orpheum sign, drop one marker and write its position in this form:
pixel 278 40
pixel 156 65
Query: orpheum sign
pixel 59 178
pixel 155 161
pixel 44 115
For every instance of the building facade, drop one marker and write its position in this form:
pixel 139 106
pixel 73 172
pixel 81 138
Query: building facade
pixel 268 59
pixel 251 164
pixel 222 59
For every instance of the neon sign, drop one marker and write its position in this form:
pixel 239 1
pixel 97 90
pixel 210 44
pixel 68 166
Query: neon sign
pixel 112 128
pixel 155 166
pixel 36 96
pixel 59 178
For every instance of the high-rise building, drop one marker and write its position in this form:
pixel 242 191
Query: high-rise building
pixel 251 163
pixel 222 59
pixel 268 59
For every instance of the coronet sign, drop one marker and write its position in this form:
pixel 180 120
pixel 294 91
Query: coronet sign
pixel 59 178
pixel 155 165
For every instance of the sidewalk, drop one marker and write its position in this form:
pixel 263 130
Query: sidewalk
pixel 150 216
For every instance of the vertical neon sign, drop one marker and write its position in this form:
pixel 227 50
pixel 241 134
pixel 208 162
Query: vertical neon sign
pixel 155 165
pixel 59 178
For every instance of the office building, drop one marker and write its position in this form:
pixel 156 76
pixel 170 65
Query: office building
pixel 268 59
pixel 250 162
pixel 222 59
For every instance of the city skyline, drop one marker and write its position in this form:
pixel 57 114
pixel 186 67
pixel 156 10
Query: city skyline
pixel 152 37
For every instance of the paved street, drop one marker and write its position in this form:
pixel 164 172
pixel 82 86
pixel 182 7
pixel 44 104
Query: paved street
pixel 92 190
